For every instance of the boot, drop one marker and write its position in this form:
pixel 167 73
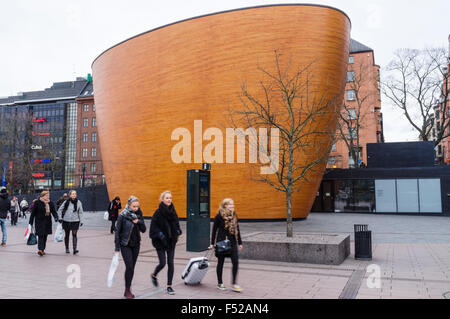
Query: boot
pixel 128 294
pixel 75 240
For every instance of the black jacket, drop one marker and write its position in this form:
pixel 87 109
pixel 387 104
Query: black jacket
pixel 113 210
pixel 5 205
pixel 165 227
pixel 219 233
pixel 125 226
pixel 43 224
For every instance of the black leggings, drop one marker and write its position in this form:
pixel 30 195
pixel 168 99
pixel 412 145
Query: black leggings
pixel 113 225
pixel 130 256
pixel 42 242
pixel 162 262
pixel 234 261
pixel 68 227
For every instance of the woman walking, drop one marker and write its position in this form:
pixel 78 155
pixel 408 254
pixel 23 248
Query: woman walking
pixel 24 207
pixel 14 210
pixel 164 232
pixel 130 225
pixel 225 227
pixel 113 212
pixel 41 215
pixel 70 213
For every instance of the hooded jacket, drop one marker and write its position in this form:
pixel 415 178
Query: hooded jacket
pixel 5 205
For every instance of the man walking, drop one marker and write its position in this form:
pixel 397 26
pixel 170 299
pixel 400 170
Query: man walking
pixel 5 206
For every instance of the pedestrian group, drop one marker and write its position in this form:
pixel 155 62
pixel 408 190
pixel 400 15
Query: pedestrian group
pixel 127 227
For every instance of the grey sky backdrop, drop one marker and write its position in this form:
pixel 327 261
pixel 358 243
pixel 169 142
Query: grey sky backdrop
pixel 46 41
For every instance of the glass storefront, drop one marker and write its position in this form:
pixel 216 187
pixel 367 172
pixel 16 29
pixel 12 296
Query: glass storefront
pixel 354 195
pixel 381 196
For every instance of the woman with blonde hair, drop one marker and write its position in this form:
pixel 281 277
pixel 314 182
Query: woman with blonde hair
pixel 130 225
pixel 164 232
pixel 226 227
pixel 70 212
pixel 41 214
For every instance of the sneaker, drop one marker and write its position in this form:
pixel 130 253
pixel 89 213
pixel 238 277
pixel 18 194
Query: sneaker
pixel 221 287
pixel 75 252
pixel 67 251
pixel 170 291
pixel 236 288
pixel 154 281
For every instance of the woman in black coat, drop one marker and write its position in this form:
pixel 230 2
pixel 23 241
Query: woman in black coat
pixel 41 215
pixel 226 226
pixel 113 212
pixel 164 232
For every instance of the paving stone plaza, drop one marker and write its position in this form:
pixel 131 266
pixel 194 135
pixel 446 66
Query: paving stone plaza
pixel 411 260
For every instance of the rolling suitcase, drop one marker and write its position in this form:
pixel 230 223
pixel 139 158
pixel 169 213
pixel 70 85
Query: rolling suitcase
pixel 195 270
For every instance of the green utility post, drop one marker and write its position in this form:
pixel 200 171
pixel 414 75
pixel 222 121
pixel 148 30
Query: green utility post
pixel 198 210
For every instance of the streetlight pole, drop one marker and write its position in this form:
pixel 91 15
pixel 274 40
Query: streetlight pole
pixel 84 173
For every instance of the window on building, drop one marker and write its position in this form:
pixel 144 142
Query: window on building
pixel 352 133
pixel 94 137
pixel 93 152
pixel 351 114
pixel 85 152
pixel 351 60
pixel 350 76
pixel 334 147
pixel 351 96
pixel 86 107
pixel 93 107
pixel 85 137
pixel 85 122
pixel 94 122
pixel 93 167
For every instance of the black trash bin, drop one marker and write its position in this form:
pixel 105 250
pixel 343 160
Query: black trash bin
pixel 363 242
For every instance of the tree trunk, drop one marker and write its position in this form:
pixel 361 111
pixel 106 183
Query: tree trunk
pixel 289 226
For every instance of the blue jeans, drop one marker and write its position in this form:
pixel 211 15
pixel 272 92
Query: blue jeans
pixel 3 225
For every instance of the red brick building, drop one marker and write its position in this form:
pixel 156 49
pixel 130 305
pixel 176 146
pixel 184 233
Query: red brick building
pixel 362 104
pixel 88 163
pixel 443 148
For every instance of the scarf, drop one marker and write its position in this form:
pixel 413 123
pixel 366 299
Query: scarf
pixel 47 206
pixel 73 201
pixel 170 215
pixel 231 222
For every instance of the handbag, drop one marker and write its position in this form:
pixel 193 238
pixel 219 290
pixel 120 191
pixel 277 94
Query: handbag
pixel 223 246
pixel 32 239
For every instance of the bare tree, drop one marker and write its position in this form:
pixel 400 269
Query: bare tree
pixel 352 117
pixel 290 102
pixel 417 83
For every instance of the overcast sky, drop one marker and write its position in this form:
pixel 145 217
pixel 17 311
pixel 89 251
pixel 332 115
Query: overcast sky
pixel 47 41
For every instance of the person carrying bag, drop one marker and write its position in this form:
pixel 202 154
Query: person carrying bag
pixel 41 215
pixel 130 225
pixel 71 211
pixel 164 232
pixel 226 240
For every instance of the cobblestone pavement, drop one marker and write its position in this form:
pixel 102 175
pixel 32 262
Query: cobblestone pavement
pixel 411 254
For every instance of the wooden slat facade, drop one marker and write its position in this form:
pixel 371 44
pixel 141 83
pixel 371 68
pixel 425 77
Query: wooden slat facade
pixel 164 79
